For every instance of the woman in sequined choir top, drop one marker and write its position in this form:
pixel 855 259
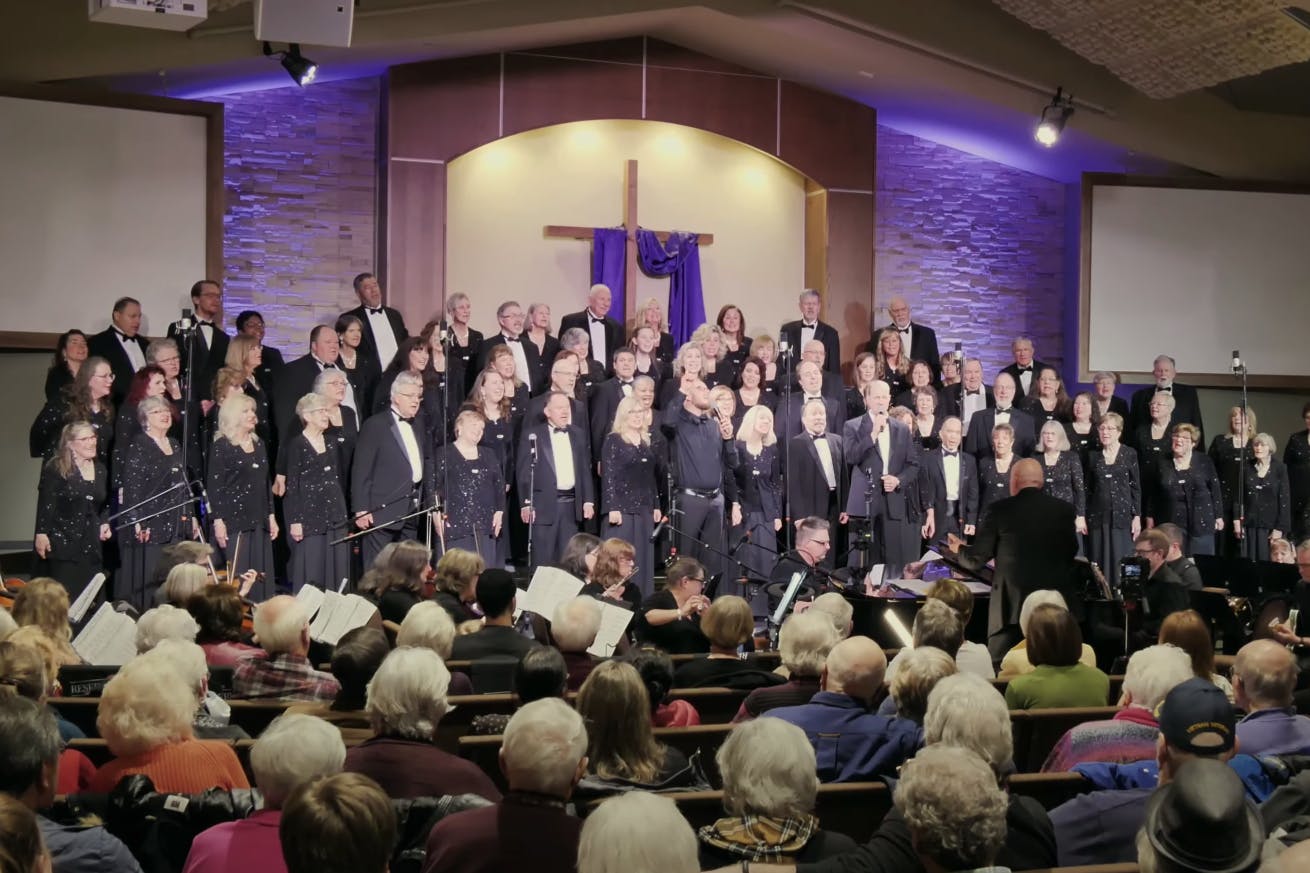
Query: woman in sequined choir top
pixel 759 486
pixel 340 433
pixel 994 472
pixel 629 488
pixel 1062 471
pixel 1185 491
pixel 1114 498
pixel 86 399
pixel 488 396
pixel 1267 502
pixel 71 515
pixel 315 503
pixel 471 488
pixel 1228 452
pixel 153 476
pixel 240 498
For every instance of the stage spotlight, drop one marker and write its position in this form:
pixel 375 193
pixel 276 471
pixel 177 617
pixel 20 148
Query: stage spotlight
pixel 299 67
pixel 1054 117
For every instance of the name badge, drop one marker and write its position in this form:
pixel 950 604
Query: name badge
pixel 1109 476
pixel 254 466
pixel 644 460
pixel 475 471
pixel 327 469
pixel 174 470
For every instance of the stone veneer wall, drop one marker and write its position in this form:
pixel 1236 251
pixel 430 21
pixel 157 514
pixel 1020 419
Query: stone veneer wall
pixel 302 195
pixel 975 246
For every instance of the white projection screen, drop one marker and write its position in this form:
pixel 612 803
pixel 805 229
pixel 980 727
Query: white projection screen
pixel 1196 270
pixel 101 201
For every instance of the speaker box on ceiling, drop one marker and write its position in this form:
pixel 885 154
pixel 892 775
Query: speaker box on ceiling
pixel 308 22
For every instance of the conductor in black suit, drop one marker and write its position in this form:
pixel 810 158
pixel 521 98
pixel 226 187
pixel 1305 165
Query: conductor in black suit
pixel 121 345
pixel 606 334
pixel 817 482
pixel 1024 369
pixel 296 379
pixel 392 473
pixel 1031 537
pixel 1187 407
pixel 384 327
pixel 979 440
pixel 554 480
pixel 204 349
pixel 798 333
pixel 920 339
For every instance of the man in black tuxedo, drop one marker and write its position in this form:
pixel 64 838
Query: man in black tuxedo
pixel 787 420
pixel 833 387
pixel 817 482
pixel 392 473
pixel 808 327
pixel 605 333
pixel 979 441
pixel 921 340
pixel 554 481
pixel 590 373
pixel 1187 407
pixel 251 324
pixel 384 327
pixel 606 396
pixel 563 380
pixel 297 379
pixel 204 349
pixel 1024 369
pixel 509 315
pixel 121 345
pixel 1031 537
pixel 976 396
pixel 884 470
pixel 948 486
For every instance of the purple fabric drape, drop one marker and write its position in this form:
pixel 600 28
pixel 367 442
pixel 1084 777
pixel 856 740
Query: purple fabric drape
pixel 609 249
pixel 679 259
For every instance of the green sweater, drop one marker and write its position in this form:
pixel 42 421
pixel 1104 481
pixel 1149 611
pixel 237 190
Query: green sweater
pixel 1048 687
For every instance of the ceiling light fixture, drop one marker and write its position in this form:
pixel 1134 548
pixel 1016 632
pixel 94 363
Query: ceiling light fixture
pixel 299 67
pixel 1054 118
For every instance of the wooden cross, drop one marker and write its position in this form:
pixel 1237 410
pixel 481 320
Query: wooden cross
pixel 562 231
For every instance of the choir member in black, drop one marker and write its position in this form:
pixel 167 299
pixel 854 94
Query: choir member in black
pixel 977 439
pixel 121 345
pixel 590 372
pixel 766 350
pixel 927 423
pixel 759 486
pixel 537 332
pixel 614 569
pixel 994 470
pixel 361 368
pixel 970 396
pixel 227 384
pixel 864 372
pixel 1024 369
pixel 315 503
pixel 629 488
pixel 384 327
pixel 472 491
pixel 948 486
pixel 251 323
pixel 149 381
pixel 787 420
pixel 1296 457
pixel 240 500
pixel 703 456
pixel 1228 452
pixel 296 379
pixel 724 403
pixel 718 369
pixel 920 375
pixel 1267 500
pixel 441 404
pixel 732 327
pixel 1080 430
pixel 488 397
pixel 390 477
pixel 527 363
pixel 501 360
pixel 554 479
pixel 204 347
pixel 884 464
pixel 412 357
pixel 244 353
pixel 911 534
pixel 1151 439
pixel 154 479
pixel 670 618
pixel 1062 471
pixel 1187 406
pixel 1048 400
pixel 1185 491
pixel 605 398
pixel 604 333
pixel 651 314
pixel 1104 400
pixel 465 343
pixel 341 432
pixel 87 399
pixel 645 347
pixel 687 367
pixel 71 515
pixel 563 380
pixel 798 334
pixel 187 421
pixel 817 483
pixel 751 387
pixel 832 386
pixel 892 359
pixel 1114 498
pixel 70 353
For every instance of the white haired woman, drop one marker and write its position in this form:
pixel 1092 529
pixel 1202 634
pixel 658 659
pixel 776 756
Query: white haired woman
pixel 804 642
pixel 315 503
pixel 340 432
pixel 72 510
pixel 241 499
pixel 406 701
pixel 165 622
pixel 637 832
pixel 953 809
pixel 1062 470
pixel 769 800
pixel 629 488
pixel 145 717
pixel 1266 500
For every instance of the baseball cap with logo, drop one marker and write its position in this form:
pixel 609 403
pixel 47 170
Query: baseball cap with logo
pixel 1196 717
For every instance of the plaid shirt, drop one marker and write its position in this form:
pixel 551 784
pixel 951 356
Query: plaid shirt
pixel 282 677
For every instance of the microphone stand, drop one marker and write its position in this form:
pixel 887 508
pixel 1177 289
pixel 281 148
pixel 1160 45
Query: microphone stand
pixel 787 530
pixel 135 521
pixel 532 487
pixel 1239 499
pixel 141 503
pixel 730 557
pixel 373 528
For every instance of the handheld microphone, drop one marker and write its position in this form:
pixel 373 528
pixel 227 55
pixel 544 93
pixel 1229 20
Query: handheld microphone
pixel 783 347
pixel 184 323
pixel 532 445
pixel 444 335
pixel 659 529
pixel 745 538
pixel 1237 364
pixel 959 350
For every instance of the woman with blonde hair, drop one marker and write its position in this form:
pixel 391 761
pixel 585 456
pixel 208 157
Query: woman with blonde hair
pixel 759 486
pixel 72 515
pixel 471 485
pixel 22 850
pixel 43 603
pixel 893 359
pixel 245 354
pixel 651 314
pixel 1062 470
pixel 629 487
pixel 724 403
pixel 1114 498
pixel 613 572
pixel 765 348
pixel 241 501
pixel 501 359
pixel 717 369
pixel 729 624
pixel 688 368
pixel 1228 452
pixel 315 500
pixel 1266 501
pixel 455 580
pixel 465 342
pixel 182 583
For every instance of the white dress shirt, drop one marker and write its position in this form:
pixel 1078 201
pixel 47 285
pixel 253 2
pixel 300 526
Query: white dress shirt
pixel 973 403
pixel 520 358
pixel 1002 415
pixel 207 333
pixel 951 472
pixel 565 476
pixel 384 337
pixel 825 461
pixel 807 333
pixel 907 340
pixel 596 327
pixel 411 448
pixel 133 350
pixel 1026 380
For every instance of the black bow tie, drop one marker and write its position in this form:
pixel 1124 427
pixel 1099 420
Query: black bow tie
pixel 513 339
pixel 329 366
pixel 1028 369
pixel 559 430
pixel 402 420
pixel 371 311
pixel 627 384
pixel 595 319
pixel 124 337
pixel 1169 389
pixel 1001 409
pixel 810 326
pixel 816 436
pixel 977 393
pixel 905 329
pixel 949 454
pixel 204 323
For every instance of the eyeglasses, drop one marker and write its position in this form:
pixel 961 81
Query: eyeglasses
pixel 824 543
pixel 172 360
pixel 410 395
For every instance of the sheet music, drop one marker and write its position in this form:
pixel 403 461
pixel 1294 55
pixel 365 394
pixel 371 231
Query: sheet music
pixel 77 611
pixel 930 555
pixel 327 606
pixel 614 621
pixel 550 586
pixel 312 598
pixel 920 587
pixel 108 640
pixel 351 611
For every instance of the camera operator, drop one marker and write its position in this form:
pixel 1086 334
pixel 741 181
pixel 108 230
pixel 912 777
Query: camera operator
pixel 1161 592
pixel 1184 567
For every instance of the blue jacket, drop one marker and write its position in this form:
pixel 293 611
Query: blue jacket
pixel 851 743
pixel 1145 774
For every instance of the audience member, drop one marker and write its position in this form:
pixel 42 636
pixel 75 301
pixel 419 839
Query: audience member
pixel 804 642
pixel 21 848
pixel 851 743
pixel 728 624
pixel 1059 678
pixel 355 661
pixel 1201 822
pixel 496 593
pixel 953 808
pixel 406 701
pixel 1131 734
pixel 23 674
pixel 1264 679
pixel 543 756
pixel 181 584
pixel 921 669
pixel 43 603
pixel 637 832
pixel 338 824
pixel 405 570
pixel 656 670
pixel 428 625
pixel 1189 631
pixel 217 610
pixel 838 610
pixel 212 720
pixel 540 674
pixel 937 625
pixel 573 629
pixel 282 629
pixel 769 792
pixel 456 577
pixel 1015 662
pixel 165 622
pixel 294 749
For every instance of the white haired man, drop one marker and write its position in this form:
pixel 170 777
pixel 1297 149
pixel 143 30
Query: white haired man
pixel 292 750
pixel 953 808
pixel 573 629
pixel 804 642
pixel 920 341
pixel 605 334
pixel 543 756
pixel 282 628
pixel 809 328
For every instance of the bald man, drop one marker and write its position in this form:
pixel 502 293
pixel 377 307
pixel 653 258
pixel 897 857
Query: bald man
pixel 851 742
pixel 1031 536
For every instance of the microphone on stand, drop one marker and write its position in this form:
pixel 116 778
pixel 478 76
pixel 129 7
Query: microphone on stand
pixel 532 446
pixel 1237 366
pixel 659 529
